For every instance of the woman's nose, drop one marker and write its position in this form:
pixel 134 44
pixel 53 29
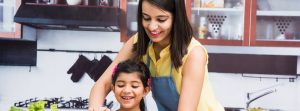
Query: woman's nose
pixel 153 26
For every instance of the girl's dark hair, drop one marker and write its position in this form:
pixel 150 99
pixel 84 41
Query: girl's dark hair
pixel 129 67
pixel 181 32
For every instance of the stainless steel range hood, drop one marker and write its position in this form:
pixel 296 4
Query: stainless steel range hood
pixel 69 17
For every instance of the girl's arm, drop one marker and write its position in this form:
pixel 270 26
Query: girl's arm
pixel 102 87
pixel 192 80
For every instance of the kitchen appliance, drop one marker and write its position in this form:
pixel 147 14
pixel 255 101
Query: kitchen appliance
pixel 74 2
pixel 46 1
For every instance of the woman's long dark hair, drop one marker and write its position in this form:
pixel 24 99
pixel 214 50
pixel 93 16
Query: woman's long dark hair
pixel 181 32
pixel 130 66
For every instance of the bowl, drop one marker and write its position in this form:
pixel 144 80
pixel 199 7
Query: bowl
pixel 74 2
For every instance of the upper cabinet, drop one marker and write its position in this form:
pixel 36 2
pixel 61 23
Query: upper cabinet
pixel 220 22
pixel 8 28
pixel 275 23
pixel 94 15
pixel 246 22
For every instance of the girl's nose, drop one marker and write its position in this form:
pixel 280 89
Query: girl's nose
pixel 127 90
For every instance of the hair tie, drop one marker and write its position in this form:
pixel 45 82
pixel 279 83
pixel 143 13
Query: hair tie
pixel 114 70
pixel 149 81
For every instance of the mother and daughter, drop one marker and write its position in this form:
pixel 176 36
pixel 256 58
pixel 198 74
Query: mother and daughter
pixel 177 64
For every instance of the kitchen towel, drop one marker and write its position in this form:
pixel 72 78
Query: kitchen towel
pixel 97 70
pixel 81 66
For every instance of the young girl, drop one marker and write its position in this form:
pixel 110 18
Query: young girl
pixel 130 83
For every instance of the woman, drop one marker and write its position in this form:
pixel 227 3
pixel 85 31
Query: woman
pixel 177 62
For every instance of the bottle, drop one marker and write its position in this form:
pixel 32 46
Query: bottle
pixel 203 28
pixel 197 3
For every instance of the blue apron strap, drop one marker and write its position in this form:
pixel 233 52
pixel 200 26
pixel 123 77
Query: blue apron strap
pixel 148 60
pixel 171 69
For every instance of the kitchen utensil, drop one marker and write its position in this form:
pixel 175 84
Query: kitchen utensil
pixel 74 2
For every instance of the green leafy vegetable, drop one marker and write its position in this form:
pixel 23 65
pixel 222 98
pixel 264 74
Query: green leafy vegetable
pixel 13 108
pixel 37 106
pixel 53 107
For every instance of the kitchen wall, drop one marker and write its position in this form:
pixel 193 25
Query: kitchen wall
pixel 50 79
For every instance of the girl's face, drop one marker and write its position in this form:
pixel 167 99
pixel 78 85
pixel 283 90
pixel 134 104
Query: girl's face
pixel 129 90
pixel 157 23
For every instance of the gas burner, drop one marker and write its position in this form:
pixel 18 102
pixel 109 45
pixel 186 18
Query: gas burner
pixel 76 103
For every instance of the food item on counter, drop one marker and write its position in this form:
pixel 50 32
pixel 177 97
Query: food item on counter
pixel 54 107
pixel 36 106
pixel 256 109
pixel 212 3
pixel 13 108
pixel 197 3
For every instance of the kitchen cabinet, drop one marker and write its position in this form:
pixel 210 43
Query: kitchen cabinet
pixel 275 23
pixel 246 22
pixel 220 22
pixel 8 28
pixel 88 15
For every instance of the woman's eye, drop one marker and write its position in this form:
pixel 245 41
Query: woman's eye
pixel 146 19
pixel 161 20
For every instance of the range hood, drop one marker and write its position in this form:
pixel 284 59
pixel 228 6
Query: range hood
pixel 69 17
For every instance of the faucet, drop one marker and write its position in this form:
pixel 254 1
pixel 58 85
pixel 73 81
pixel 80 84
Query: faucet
pixel 271 89
pixel 257 97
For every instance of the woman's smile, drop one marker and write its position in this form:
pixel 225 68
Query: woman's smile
pixel 155 34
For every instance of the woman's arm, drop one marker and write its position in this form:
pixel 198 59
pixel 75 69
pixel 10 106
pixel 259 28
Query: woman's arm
pixel 102 87
pixel 192 80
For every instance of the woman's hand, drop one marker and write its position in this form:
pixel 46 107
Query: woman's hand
pixel 99 109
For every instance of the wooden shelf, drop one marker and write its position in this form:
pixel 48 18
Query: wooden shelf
pixel 279 13
pixel 133 3
pixel 229 10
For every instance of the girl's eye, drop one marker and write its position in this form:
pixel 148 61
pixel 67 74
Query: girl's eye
pixel 120 86
pixel 135 86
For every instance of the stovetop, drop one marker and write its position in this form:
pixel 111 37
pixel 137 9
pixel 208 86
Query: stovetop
pixel 73 103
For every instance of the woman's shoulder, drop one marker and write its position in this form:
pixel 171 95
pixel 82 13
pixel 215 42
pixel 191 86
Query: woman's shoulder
pixel 195 44
pixel 196 50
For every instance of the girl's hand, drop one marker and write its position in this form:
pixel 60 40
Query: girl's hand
pixel 99 109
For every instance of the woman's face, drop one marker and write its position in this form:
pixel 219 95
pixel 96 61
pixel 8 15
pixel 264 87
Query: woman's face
pixel 156 22
pixel 129 90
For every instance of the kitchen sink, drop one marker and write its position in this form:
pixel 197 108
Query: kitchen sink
pixel 243 109
pixel 234 109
